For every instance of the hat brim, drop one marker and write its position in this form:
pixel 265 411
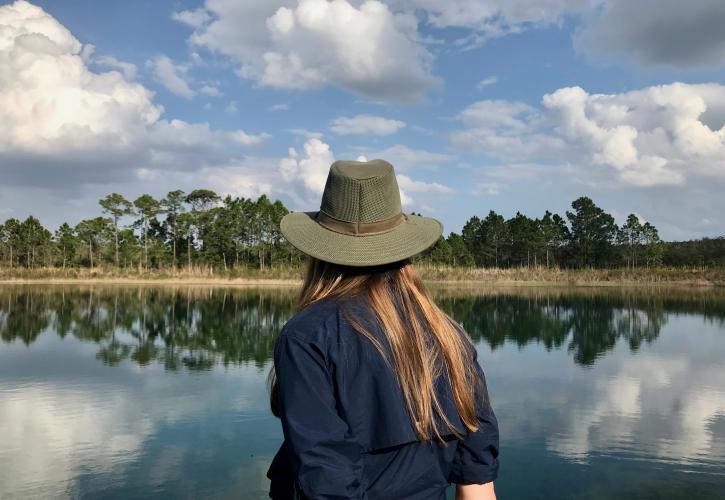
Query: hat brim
pixel 412 236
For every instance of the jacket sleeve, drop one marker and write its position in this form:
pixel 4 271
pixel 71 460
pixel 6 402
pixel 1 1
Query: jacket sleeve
pixel 325 456
pixel 476 459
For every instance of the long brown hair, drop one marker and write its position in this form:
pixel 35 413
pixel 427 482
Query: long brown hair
pixel 423 341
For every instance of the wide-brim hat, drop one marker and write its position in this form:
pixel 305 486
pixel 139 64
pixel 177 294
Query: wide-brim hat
pixel 360 221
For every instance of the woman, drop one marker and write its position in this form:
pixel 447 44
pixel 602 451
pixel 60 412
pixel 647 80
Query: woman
pixel 379 392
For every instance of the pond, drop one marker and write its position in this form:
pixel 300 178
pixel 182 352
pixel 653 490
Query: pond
pixel 141 392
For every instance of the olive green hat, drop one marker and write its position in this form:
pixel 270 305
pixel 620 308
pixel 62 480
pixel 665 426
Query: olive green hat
pixel 360 221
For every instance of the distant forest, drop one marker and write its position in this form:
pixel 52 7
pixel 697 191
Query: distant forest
pixel 201 229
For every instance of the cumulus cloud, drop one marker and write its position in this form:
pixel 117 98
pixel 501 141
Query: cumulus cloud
pixel 306 171
pixel 409 185
pixel 363 47
pixel 365 124
pixel 63 124
pixel 195 18
pixel 309 43
pixel 210 89
pixel 246 139
pixel 49 100
pixel 657 32
pixel 127 69
pixel 497 113
pixel 308 168
pixel 171 75
pixel 654 136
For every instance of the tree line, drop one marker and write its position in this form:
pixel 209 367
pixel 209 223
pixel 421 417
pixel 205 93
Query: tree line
pixel 586 237
pixel 201 228
pixel 179 230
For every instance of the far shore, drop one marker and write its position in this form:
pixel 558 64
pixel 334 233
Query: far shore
pixel 434 276
pixel 152 281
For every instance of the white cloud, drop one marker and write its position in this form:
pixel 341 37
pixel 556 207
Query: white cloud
pixel 49 100
pixel 405 200
pixel 309 168
pixel 409 185
pixel 498 113
pixel 63 124
pixel 363 46
pixel 658 135
pixel 127 69
pixel 309 43
pixel 246 139
pixel 306 173
pixel 29 25
pixel 210 90
pixel 365 124
pixel 195 18
pixel 170 75
pixel 250 178
pixel 279 107
pixel 487 81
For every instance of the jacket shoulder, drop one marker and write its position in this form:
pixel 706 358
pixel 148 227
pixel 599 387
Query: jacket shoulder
pixel 313 321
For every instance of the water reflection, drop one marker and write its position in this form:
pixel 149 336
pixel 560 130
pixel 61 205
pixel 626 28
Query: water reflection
pixel 80 431
pixel 196 328
pixel 189 327
pixel 146 392
pixel 588 322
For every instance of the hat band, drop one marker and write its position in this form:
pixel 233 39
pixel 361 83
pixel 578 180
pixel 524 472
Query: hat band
pixel 359 228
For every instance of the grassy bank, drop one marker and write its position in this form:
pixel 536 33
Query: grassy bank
pixel 437 274
pixel 577 277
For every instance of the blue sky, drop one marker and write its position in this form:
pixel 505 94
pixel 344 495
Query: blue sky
pixel 480 104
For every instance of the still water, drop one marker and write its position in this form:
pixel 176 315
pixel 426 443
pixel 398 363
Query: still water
pixel 160 392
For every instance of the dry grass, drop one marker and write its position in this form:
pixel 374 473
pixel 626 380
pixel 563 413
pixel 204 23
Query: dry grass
pixel 196 275
pixel 291 275
pixel 574 277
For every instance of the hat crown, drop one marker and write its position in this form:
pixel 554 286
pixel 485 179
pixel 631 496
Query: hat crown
pixel 361 192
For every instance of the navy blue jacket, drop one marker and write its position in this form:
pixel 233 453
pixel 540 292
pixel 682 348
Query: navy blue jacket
pixel 346 429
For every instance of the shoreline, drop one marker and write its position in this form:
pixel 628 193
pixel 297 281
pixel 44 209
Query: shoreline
pixel 153 281
pixel 443 276
pixel 281 282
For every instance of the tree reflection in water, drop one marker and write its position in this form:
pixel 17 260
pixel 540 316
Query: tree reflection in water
pixel 189 327
pixel 588 321
pixel 198 328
